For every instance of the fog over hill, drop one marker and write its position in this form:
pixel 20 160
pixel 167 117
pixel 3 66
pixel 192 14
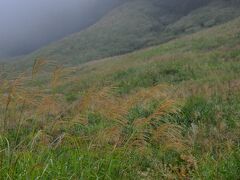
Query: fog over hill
pixel 116 26
pixel 27 25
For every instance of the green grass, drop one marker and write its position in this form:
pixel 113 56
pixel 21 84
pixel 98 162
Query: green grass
pixel 195 137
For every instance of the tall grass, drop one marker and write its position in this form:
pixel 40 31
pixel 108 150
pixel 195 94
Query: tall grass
pixel 161 113
pixel 104 134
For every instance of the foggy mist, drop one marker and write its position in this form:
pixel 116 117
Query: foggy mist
pixel 26 25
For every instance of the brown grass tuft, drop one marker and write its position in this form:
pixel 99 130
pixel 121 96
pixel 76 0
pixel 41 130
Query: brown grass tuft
pixel 37 66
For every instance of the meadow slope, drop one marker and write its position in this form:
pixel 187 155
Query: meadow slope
pixel 166 112
pixel 136 24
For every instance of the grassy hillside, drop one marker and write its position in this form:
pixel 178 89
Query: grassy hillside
pixel 166 112
pixel 137 24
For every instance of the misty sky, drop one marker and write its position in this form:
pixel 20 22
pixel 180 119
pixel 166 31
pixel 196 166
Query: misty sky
pixel 26 25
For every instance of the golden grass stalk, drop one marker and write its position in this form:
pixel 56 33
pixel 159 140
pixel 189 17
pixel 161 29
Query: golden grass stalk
pixel 169 136
pixel 37 66
pixel 56 76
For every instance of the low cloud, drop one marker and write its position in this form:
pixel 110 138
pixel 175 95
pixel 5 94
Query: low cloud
pixel 27 25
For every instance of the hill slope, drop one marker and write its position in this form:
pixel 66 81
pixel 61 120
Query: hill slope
pixel 137 24
pixel 166 112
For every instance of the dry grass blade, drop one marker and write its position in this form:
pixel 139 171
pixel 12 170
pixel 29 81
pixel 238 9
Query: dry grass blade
pixel 168 106
pixel 145 95
pixel 170 136
pixel 80 119
pixel 145 131
pixel 38 64
pixel 56 76
pixel 9 95
pixel 110 135
pixel 48 106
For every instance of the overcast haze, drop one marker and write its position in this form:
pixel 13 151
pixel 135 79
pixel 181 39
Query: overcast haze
pixel 26 25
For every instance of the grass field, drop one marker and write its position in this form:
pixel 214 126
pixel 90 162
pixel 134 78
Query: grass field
pixel 166 112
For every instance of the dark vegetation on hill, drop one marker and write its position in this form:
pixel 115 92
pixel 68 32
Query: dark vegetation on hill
pixel 136 24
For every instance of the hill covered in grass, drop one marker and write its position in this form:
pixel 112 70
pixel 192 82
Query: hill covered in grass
pixel 166 112
pixel 136 24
